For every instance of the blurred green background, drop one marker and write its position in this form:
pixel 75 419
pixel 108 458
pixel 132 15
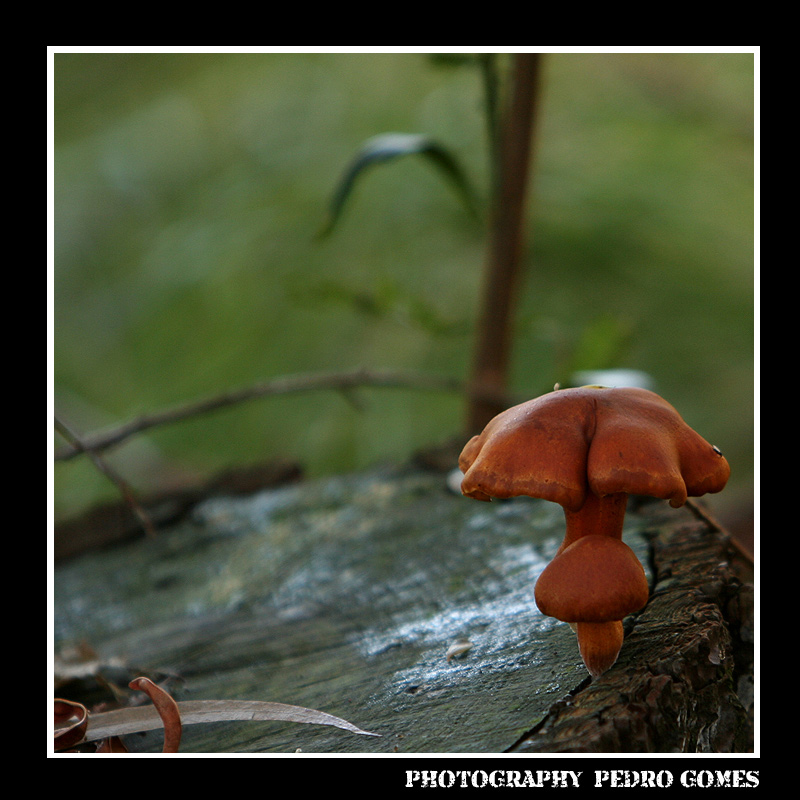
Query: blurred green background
pixel 188 189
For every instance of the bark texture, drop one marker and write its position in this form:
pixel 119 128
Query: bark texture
pixel 683 683
pixel 389 600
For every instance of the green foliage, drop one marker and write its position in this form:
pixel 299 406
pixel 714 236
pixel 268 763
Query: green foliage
pixel 603 344
pixel 388 301
pixel 188 189
pixel 389 146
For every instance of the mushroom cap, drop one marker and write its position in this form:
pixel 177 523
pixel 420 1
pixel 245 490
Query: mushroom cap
pixel 596 579
pixel 565 443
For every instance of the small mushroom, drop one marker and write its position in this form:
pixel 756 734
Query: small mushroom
pixel 593 584
pixel 587 449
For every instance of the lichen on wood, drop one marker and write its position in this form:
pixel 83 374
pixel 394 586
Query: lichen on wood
pixel 357 595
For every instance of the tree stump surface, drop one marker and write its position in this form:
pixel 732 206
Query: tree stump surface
pixel 386 599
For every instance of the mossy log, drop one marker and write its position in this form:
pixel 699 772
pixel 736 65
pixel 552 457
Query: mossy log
pixel 389 600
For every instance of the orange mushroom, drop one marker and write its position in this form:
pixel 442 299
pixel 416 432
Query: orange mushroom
pixel 593 584
pixel 587 449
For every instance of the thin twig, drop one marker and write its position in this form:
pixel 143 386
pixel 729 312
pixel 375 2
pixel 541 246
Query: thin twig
pixel 338 381
pixel 124 489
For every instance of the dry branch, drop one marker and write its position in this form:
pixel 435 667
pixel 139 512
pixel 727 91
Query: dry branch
pixel 122 485
pixel 511 156
pixel 337 381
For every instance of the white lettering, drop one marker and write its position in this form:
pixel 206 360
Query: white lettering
pixel 630 779
pixel 719 779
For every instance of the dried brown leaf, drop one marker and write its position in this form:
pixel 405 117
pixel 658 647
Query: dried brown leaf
pixel 73 724
pixel 167 710
pixel 123 721
pixel 70 723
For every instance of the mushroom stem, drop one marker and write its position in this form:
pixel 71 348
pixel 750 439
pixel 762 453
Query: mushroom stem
pixel 599 643
pixel 602 516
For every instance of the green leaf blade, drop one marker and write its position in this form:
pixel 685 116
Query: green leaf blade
pixel 387 147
